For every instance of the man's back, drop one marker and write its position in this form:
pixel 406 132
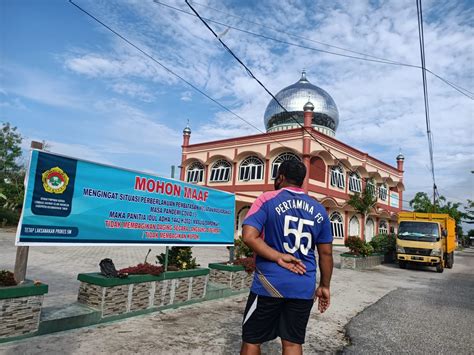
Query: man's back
pixel 290 222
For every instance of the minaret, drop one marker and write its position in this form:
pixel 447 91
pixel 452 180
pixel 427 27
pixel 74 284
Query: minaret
pixel 186 137
pixel 400 160
pixel 307 124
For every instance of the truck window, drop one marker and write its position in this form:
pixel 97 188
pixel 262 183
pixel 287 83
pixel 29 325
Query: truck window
pixel 422 231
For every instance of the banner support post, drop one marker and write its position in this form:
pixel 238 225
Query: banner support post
pixel 21 260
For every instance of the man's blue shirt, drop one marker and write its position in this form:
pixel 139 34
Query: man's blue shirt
pixel 290 222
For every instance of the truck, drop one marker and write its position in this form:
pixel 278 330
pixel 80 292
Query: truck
pixel 426 238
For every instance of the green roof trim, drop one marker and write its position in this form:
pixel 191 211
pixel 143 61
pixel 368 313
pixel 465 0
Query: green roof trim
pixel 96 278
pixel 226 267
pixel 25 289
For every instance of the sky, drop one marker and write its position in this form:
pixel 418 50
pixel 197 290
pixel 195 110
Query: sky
pixel 67 80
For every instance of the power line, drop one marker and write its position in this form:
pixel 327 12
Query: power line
pixel 429 133
pixel 149 56
pixel 367 57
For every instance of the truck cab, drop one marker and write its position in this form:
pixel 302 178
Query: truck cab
pixel 425 238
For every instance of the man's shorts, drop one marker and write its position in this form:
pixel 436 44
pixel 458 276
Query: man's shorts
pixel 266 318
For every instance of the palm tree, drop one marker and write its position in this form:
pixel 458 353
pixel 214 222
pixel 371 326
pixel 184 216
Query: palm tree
pixel 363 203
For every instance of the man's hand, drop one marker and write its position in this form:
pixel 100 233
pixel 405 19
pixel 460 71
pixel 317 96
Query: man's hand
pixel 291 263
pixel 323 295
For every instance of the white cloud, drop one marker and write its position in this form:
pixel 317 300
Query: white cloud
pixel 187 96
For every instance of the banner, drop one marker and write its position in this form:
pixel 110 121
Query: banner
pixel 74 202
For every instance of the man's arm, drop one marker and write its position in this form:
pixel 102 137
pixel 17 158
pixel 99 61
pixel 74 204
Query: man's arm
pixel 325 266
pixel 251 237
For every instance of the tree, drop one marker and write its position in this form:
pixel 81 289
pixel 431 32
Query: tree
pixel 12 173
pixel 422 203
pixel 469 212
pixel 10 150
pixel 363 203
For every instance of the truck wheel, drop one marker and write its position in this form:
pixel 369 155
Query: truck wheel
pixel 450 261
pixel 402 264
pixel 440 267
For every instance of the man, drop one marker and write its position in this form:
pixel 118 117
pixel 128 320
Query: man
pixel 282 228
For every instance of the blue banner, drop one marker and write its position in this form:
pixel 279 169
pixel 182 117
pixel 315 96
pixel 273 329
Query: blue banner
pixel 75 202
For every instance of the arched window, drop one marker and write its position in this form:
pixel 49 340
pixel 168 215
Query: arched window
pixel 371 187
pixel 355 183
pixel 280 159
pixel 220 171
pixel 383 227
pixel 354 228
pixel 383 192
pixel 337 177
pixel 369 230
pixel 337 225
pixel 251 169
pixel 195 173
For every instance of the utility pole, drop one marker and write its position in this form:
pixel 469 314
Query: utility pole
pixel 21 260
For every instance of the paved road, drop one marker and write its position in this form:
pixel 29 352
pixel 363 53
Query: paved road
pixel 438 318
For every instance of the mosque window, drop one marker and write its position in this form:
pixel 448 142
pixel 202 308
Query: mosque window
pixel 195 173
pixel 383 228
pixel 383 192
pixel 220 171
pixel 337 225
pixel 355 183
pixel 251 169
pixel 371 187
pixel 280 159
pixel 337 177
pixel 354 227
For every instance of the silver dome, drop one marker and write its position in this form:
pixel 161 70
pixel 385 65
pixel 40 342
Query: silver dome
pixel 293 98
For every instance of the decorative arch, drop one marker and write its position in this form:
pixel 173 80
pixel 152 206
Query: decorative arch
pixel 324 155
pixel 214 158
pixel 329 202
pixel 248 153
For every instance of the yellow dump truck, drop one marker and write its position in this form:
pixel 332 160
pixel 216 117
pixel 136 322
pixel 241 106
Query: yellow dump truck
pixel 426 238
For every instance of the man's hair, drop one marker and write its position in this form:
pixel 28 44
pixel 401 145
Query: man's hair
pixel 294 171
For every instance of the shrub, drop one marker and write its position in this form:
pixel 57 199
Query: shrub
pixel 384 243
pixel 7 278
pixel 9 217
pixel 179 257
pixel 241 249
pixel 355 244
pixel 358 247
pixel 247 263
pixel 145 268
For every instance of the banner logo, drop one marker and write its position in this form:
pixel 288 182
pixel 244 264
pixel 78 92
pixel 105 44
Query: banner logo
pixel 55 180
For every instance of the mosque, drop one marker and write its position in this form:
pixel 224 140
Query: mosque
pixel 247 166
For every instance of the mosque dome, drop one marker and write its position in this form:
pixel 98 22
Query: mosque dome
pixel 294 98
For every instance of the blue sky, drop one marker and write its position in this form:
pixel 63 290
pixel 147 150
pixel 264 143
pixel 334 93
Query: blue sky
pixel 66 80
